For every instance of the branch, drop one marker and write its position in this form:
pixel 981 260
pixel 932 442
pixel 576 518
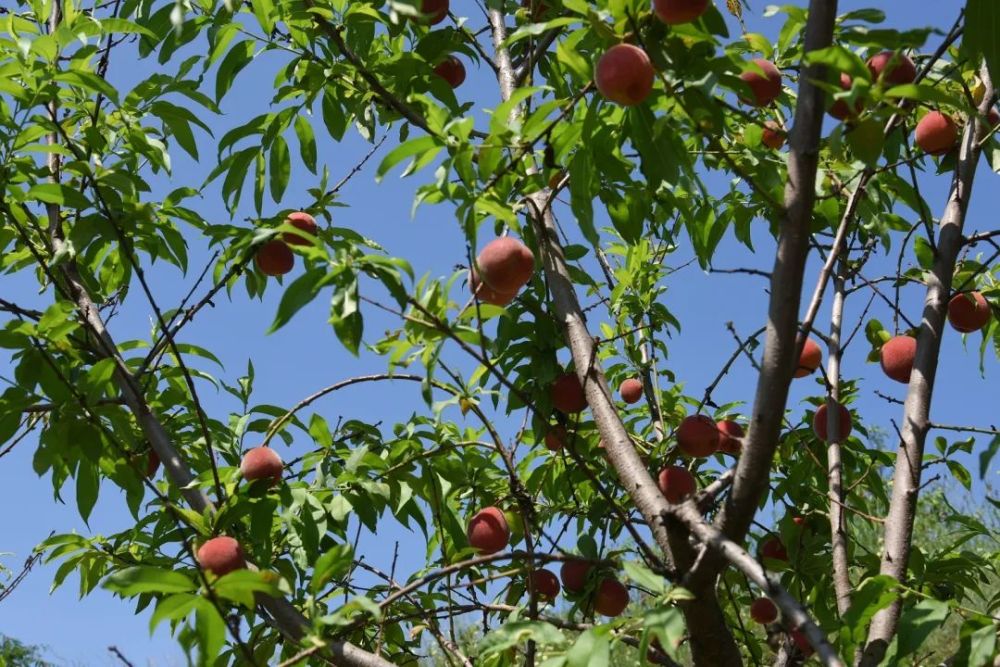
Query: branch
pixel 835 490
pixel 754 465
pixel 916 423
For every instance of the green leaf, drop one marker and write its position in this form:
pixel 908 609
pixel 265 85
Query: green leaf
pixel 866 140
pixel 924 252
pixel 516 632
pixel 54 193
pixel 922 93
pixel 873 594
pixel 172 608
pixel 986 456
pixel 211 629
pixel 345 316
pixel 645 577
pixel 280 168
pixel 917 623
pixel 302 291
pixel 982 32
pixel 307 141
pixel 405 150
pixel 591 649
pixel 237 58
pixel 334 563
pixel 88 485
pixel 241 585
pixel 147 579
pixel 959 472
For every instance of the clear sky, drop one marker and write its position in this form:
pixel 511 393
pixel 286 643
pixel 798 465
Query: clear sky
pixel 305 355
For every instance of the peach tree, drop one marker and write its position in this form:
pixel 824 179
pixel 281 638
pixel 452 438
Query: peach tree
pixel 581 504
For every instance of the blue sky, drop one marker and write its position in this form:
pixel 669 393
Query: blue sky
pixel 305 355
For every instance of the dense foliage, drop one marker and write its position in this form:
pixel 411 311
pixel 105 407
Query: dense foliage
pixel 612 177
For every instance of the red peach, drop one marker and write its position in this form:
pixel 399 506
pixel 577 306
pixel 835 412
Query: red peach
pixel 897 357
pixel 630 390
pixel 152 463
pixel 698 436
pixel 451 70
pixel 221 555
pixel 810 359
pixel 574 574
pixel 839 108
pixel 901 71
pixel 773 136
pixel 968 312
pixel 555 439
pixel 625 75
pixel 730 433
pixel 675 12
pixel 435 11
pixel 274 258
pixel 773 548
pixel 676 484
pixel 993 117
pixel 765 87
pixel 538 8
pixel 488 531
pixel 800 640
pixel 303 221
pixel 763 611
pixel 611 598
pixel 262 463
pixel 506 264
pixel 487 294
pixel 546 584
pixel 567 394
pixel 936 133
pixel 844 424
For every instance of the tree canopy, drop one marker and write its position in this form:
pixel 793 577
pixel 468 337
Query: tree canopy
pixel 581 503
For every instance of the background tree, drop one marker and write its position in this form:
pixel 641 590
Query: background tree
pixel 547 430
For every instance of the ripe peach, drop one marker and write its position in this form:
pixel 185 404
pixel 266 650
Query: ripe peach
pixel 676 484
pixel 488 531
pixel 839 108
pixel 697 436
pixel 773 136
pixel 546 584
pixel 506 264
pixel 305 222
pixel 994 118
pixel 763 611
pixel 625 75
pixel 729 436
pixel 810 359
pixel 772 547
pixel 221 555
pixel 435 11
pixel 844 424
pixel 800 640
pixel 152 463
pixel 555 439
pixel 567 394
pixel 574 575
pixel 611 597
pixel 274 258
pixel 487 294
pixel 674 12
pixel 451 70
pixel 968 312
pixel 936 133
pixel 262 463
pixel 901 71
pixel 630 390
pixel 765 87
pixel 897 357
